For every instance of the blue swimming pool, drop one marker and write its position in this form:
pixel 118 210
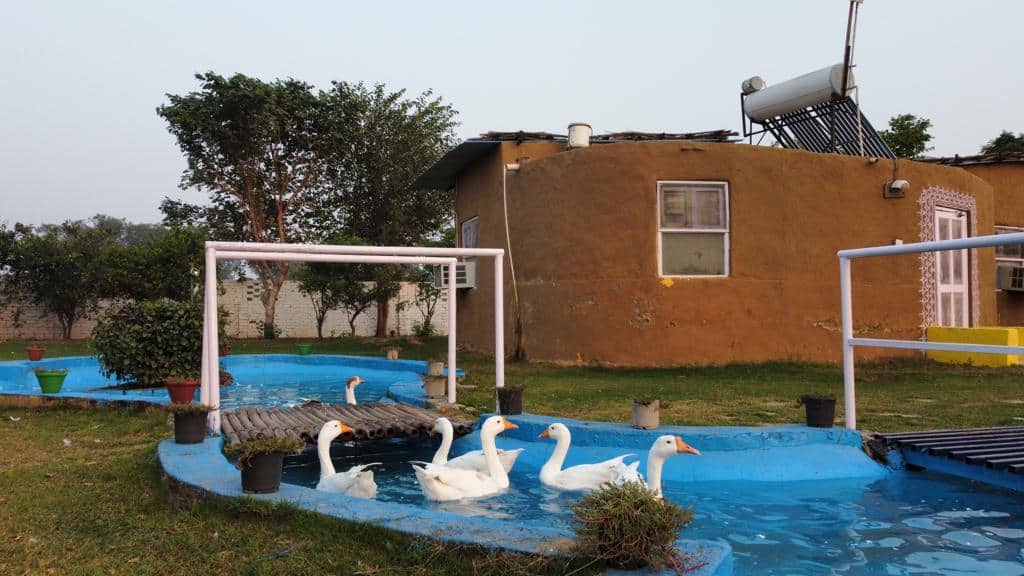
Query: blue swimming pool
pixel 265 379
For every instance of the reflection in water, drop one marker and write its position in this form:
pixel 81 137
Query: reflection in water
pixel 908 523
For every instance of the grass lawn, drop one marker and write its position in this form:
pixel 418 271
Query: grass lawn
pixel 97 506
pixel 891 396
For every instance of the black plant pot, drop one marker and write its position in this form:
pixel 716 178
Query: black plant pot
pixel 189 428
pixel 821 412
pixel 510 401
pixel 262 474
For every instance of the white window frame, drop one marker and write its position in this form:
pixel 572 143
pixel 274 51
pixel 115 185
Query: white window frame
pixel 1008 229
pixel 724 231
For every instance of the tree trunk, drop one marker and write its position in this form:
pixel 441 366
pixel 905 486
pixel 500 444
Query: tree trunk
pixel 65 326
pixel 382 318
pixel 269 299
pixel 320 327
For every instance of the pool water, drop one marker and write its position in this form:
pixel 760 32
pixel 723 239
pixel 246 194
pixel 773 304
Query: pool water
pixel 905 523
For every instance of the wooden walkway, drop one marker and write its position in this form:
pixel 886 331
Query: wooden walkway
pixel 369 421
pixel 999 448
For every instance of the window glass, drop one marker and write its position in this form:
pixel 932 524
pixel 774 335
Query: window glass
pixel 694 228
pixel 692 254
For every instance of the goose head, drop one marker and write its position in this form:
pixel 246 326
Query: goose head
pixel 556 431
pixel 668 445
pixel 331 430
pixel 353 382
pixel 441 425
pixel 496 425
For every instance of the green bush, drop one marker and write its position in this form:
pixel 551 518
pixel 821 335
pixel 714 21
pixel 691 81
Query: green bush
pixel 148 342
pixel 249 449
pixel 626 526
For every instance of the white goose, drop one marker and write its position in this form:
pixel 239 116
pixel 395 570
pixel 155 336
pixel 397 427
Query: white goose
pixel 443 482
pixel 357 481
pixel 663 448
pixel 470 460
pixel 350 389
pixel 583 476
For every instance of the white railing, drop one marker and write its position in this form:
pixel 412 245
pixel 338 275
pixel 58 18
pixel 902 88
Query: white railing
pixel 210 375
pixel 845 256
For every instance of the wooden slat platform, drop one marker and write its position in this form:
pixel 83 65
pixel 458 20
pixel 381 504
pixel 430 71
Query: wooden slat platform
pixel 369 421
pixel 999 448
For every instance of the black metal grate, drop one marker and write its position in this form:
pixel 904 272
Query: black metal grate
pixel 812 129
pixel 1000 448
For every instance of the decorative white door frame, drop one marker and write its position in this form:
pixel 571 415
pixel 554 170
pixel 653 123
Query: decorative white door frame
pixel 933 197
pixel 952 285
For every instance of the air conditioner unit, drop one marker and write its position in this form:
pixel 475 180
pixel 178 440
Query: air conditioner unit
pixel 465 275
pixel 1010 278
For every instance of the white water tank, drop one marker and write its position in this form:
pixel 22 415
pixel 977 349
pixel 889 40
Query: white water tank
pixel 579 135
pixel 796 94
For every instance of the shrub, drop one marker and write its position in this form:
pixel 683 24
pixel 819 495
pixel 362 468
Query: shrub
pixel 626 526
pixel 249 449
pixel 425 330
pixel 148 342
pixel 189 409
pixel 645 400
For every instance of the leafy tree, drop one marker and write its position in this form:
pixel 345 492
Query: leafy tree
pixel 427 297
pixel 257 149
pixel 387 140
pixel 59 270
pixel 1006 143
pixel 166 264
pixel 907 135
pixel 146 342
pixel 332 286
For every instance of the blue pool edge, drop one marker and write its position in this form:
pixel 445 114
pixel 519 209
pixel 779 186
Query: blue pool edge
pixel 203 467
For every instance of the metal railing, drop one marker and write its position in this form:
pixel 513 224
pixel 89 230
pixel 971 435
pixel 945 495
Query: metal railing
pixel 849 341
pixel 214 251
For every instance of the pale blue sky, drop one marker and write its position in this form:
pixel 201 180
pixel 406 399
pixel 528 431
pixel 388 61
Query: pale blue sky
pixel 80 80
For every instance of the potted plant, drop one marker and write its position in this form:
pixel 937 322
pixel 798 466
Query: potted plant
pixel 626 526
pixel 510 399
pixel 304 348
pixel 261 461
pixel 181 390
pixel 435 366
pixel 51 380
pixel 35 353
pixel 434 386
pixel 645 413
pixel 189 422
pixel 391 352
pixel 225 349
pixel 820 409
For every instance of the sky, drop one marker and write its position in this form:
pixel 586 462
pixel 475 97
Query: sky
pixel 80 81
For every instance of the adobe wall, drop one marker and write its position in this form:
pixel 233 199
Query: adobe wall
pixel 583 226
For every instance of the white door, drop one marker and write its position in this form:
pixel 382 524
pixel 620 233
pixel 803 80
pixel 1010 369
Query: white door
pixel 951 274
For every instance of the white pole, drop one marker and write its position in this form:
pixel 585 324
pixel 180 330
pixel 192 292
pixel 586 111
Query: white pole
pixel 451 333
pixel 499 322
pixel 337 249
pixel 212 386
pixel 849 393
pixel 204 371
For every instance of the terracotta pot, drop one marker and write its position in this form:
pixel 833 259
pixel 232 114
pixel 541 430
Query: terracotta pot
pixel 820 412
pixel 391 353
pixel 225 350
pixel 435 368
pixel 51 381
pixel 189 428
pixel 181 390
pixel 646 417
pixel 35 353
pixel 263 474
pixel 434 386
pixel 510 401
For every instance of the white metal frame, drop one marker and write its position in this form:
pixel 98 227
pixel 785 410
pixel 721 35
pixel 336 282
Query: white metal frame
pixel 846 298
pixel 214 251
pixel 723 231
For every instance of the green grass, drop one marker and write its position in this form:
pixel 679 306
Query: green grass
pixel 908 394
pixel 97 506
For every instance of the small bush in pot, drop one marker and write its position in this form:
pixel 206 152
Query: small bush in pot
pixel 510 399
pixel 820 409
pixel 646 413
pixel 261 461
pixel 626 526
pixel 51 380
pixel 189 422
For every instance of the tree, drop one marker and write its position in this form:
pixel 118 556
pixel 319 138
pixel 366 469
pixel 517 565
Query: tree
pixel 386 142
pixel 59 270
pixel 166 264
pixel 907 135
pixel 331 286
pixel 1005 143
pixel 257 149
pixel 427 297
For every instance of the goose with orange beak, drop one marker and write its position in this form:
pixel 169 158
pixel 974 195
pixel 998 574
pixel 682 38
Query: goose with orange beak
pixel 357 481
pixel 350 389
pixel 442 482
pixel 582 476
pixel 663 448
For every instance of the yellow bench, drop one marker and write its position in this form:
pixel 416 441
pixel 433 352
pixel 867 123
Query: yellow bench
pixel 998 335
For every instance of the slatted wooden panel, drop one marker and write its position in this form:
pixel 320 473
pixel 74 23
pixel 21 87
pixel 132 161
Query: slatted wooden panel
pixel 368 421
pixel 1001 448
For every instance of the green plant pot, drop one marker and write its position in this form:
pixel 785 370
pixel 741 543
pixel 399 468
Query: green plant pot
pixel 51 381
pixel 304 348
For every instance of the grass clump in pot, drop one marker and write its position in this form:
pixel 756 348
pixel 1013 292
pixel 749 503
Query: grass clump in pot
pixel 626 526
pixel 245 451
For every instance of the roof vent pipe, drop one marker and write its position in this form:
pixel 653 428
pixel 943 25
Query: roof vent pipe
pixel 579 135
